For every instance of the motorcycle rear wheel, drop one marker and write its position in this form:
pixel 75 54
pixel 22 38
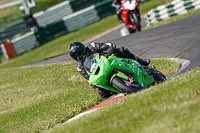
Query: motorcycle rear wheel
pixel 120 84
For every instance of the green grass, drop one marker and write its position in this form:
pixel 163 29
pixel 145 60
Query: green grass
pixel 37 98
pixel 34 99
pixel 170 107
pixel 6 1
pixel 42 5
pixel 9 16
pixel 163 65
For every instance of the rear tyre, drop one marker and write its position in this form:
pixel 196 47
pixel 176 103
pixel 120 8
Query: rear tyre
pixel 120 84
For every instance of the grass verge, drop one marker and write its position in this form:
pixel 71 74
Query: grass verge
pixel 10 15
pixel 5 1
pixel 34 99
pixel 172 106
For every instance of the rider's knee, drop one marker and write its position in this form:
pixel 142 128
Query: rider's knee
pixel 125 50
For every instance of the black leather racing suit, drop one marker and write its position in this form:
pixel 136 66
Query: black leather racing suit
pixel 101 48
pixel 106 48
pixel 116 2
pixel 117 5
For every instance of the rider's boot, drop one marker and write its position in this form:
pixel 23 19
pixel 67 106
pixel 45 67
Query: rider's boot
pixel 119 18
pixel 144 62
pixel 118 13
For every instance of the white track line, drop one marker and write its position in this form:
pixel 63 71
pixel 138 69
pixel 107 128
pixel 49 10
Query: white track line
pixel 87 112
pixel 183 64
pixel 79 115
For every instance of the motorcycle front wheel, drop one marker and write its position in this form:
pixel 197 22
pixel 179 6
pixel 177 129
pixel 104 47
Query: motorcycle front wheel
pixel 158 76
pixel 134 18
pixel 124 86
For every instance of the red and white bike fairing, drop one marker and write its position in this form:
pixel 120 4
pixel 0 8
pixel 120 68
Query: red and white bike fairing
pixel 130 14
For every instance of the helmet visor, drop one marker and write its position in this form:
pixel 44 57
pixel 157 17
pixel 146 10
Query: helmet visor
pixel 82 56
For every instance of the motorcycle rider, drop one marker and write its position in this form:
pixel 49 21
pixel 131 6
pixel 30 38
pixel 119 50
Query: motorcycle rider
pixel 117 5
pixel 79 52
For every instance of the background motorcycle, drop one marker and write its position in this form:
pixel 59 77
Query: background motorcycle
pixel 130 14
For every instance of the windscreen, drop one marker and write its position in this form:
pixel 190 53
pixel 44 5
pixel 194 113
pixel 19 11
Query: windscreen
pixel 90 63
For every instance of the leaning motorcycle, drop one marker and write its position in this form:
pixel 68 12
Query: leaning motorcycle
pixel 120 74
pixel 130 14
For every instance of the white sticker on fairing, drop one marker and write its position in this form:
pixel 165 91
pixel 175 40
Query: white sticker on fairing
pixel 101 61
pixel 78 69
pixel 93 67
pixel 93 44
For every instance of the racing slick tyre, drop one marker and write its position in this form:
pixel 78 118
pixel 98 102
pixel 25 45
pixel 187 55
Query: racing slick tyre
pixel 122 85
pixel 135 20
pixel 158 76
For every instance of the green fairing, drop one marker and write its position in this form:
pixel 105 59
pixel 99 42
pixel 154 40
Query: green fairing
pixel 103 73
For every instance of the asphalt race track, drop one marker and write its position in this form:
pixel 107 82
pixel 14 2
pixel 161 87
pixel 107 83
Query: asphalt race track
pixel 179 39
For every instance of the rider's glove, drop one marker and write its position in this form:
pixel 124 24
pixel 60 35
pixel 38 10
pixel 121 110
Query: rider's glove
pixel 110 51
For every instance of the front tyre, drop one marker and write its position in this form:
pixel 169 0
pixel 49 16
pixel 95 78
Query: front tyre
pixel 134 18
pixel 122 85
pixel 158 76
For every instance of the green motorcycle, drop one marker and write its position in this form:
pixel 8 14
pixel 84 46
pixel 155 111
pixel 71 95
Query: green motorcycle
pixel 120 74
